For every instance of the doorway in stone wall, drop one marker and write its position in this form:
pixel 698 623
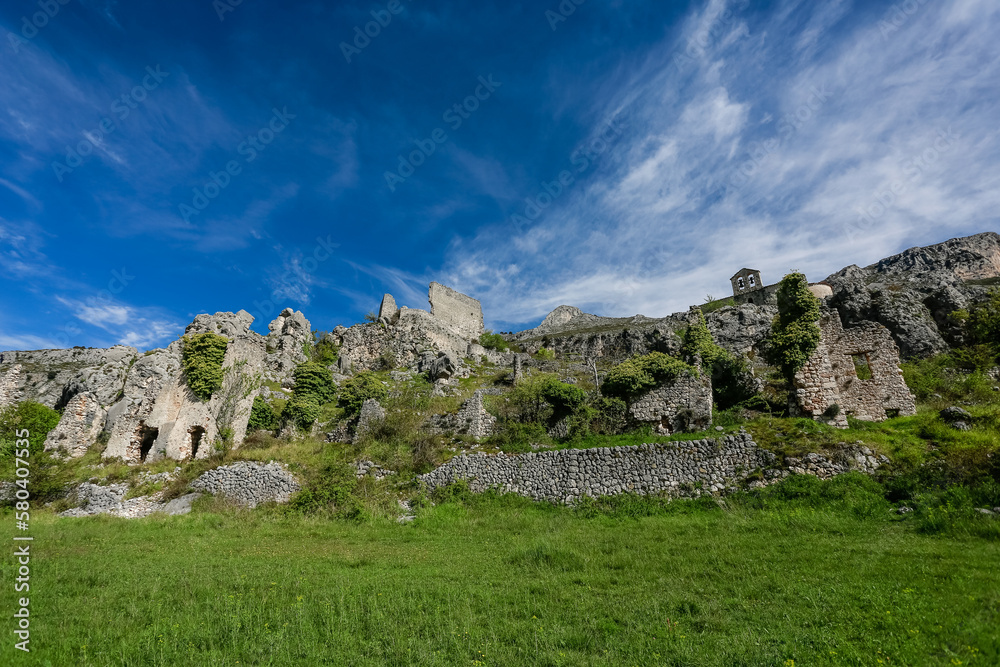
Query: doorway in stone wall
pixel 148 435
pixel 196 433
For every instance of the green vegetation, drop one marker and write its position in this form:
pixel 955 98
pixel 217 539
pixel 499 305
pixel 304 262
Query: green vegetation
pixel 643 373
pixel 35 418
pixel 545 354
pixel 981 329
pixel 201 359
pixel 807 573
pixel 323 350
pixel 493 341
pixel 795 332
pixel 731 376
pixel 313 388
pixel 262 416
pixel 713 305
pixel 359 389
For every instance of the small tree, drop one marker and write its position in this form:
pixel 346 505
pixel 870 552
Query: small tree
pixel 795 332
pixel 493 341
pixel 638 374
pixel 35 418
pixel 312 379
pixel 262 416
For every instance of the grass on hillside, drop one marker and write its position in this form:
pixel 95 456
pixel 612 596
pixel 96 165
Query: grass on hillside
pixel 808 573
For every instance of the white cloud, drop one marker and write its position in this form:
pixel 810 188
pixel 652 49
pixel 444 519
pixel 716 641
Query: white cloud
pixel 741 157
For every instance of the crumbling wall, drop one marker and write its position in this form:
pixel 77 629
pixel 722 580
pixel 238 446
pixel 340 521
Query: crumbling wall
pixel 682 405
pixel 456 310
pixel 8 384
pixel 472 419
pixel 831 376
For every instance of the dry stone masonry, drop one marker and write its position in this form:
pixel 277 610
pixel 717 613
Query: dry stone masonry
pixel 675 468
pixel 249 484
pixel 676 407
pixel 857 370
pixel 472 419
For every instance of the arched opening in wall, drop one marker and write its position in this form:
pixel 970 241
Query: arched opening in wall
pixel 146 444
pixel 195 434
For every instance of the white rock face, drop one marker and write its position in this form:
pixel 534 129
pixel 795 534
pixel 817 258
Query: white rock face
pixel 462 313
pixel 81 423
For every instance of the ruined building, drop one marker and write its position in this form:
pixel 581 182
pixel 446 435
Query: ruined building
pixel 854 372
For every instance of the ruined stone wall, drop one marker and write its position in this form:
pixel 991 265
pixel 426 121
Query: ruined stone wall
pixel 456 310
pixel 472 419
pixel 249 484
pixel 682 405
pixel 831 378
pixel 8 384
pixel 674 468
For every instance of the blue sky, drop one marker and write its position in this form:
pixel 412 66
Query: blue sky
pixel 159 160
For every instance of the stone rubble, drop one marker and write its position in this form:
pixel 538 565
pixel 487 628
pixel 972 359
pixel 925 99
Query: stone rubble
pixel 249 484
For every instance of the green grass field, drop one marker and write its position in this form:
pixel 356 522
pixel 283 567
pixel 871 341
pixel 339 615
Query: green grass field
pixel 501 581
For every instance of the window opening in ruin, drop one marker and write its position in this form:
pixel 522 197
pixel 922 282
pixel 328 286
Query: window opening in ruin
pixel 753 281
pixel 196 433
pixel 862 366
pixel 740 283
pixel 146 444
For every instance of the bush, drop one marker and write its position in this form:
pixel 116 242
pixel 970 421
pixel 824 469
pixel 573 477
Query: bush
pixel 564 398
pixel 315 380
pixel 332 491
pixel 795 332
pixel 301 411
pixel 36 418
pixel 324 351
pixel 262 416
pixel 493 341
pixel 359 389
pixel 545 354
pixel 640 374
pixel 201 358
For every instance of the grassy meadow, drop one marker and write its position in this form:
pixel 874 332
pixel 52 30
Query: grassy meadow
pixel 805 573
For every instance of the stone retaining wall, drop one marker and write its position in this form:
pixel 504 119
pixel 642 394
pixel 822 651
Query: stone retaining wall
pixel 675 468
pixel 249 483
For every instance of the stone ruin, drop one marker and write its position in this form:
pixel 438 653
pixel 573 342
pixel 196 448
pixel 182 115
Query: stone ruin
pixel 857 370
pixel 410 337
pixel 683 405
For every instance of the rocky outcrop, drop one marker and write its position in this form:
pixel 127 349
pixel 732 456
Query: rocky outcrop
pixel 290 334
pixel 249 484
pixel 371 414
pixel 54 377
pixel 81 423
pixel 94 499
pixel 913 293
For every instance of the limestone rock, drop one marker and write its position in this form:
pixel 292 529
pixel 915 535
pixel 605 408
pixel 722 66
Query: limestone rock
pixel 229 325
pixel 81 422
pixel 388 312
pixel 372 412
pixel 683 405
pixel 955 414
pixel 53 377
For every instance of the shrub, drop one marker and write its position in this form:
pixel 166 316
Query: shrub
pixel 36 418
pixel 545 354
pixel 564 398
pixel 331 491
pixel 731 376
pixel 201 359
pixel 493 341
pixel 301 411
pixel 324 351
pixel 795 332
pixel 315 380
pixel 640 374
pixel 262 416
pixel 359 389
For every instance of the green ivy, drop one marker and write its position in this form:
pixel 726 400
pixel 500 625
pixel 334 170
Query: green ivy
pixel 795 332
pixel 312 379
pixel 201 359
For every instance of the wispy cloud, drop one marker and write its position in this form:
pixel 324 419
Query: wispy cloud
pixel 748 157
